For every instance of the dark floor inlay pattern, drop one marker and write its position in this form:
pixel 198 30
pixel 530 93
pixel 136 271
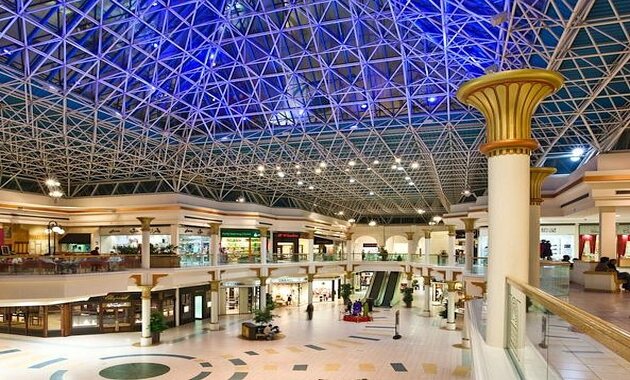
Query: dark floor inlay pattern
pixel 398 367
pixel 583 352
pixel 238 361
pixel 300 367
pixel 58 375
pixel 380 327
pixel 9 351
pixel 238 376
pixel 363 337
pixel 135 355
pixel 179 339
pixel 205 364
pixel 563 337
pixel 133 371
pixel 314 347
pixel 252 353
pixel 48 362
pixel 201 375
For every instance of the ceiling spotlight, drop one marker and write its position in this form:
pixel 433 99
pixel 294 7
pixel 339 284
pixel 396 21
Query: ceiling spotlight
pixel 354 127
pixel 261 174
pixel 56 194
pixel 300 183
pixel 415 165
pixel 420 211
pixel 155 45
pixel 297 166
pixel 400 168
pixel 311 187
pixel 241 199
pixel 352 180
pixel 575 158
pixel 352 220
pixel 466 192
pixel 437 219
pixel 376 162
pixel 318 171
pixel 352 163
pixel 346 169
pixel 398 160
pixel 372 223
pixel 394 167
pixel 364 106
pixel 281 174
pixel 298 172
pixel 51 182
pixel 260 168
pixel 224 138
pixel 407 178
pixel 577 152
pixel 411 183
pixel 322 164
pixel 278 167
pixel 432 99
pixel 340 213
pixel 431 223
pixel 368 168
pixel 371 193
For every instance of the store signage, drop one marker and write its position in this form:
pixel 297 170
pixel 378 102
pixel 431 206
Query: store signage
pixel 196 231
pixel 124 230
pixel 120 297
pixel 589 229
pixel 322 241
pixel 240 233
pixel 548 230
pixel 623 229
pixel 233 284
pixel 287 235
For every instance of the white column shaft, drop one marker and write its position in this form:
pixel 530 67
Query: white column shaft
pixel 607 232
pixel 470 250
pixel 427 251
pixel 145 339
pixel 215 244
pixel 263 249
pixel 311 250
pixel 450 311
pixel 508 235
pixel 310 292
pixel 146 249
pixel 451 250
pixel 177 306
pixel 534 245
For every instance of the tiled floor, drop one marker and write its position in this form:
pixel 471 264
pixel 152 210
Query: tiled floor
pixel 324 348
pixel 612 307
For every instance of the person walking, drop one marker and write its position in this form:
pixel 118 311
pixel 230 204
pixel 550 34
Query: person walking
pixel 309 311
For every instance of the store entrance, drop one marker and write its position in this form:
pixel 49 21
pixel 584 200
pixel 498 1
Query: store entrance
pixel 117 317
pixel 198 307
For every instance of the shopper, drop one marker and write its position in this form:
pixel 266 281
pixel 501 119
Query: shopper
pixel 289 300
pixel 622 276
pixel 602 266
pixel 309 311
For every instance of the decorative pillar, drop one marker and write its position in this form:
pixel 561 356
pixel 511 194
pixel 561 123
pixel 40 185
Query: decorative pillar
pixel 310 255
pixel 450 309
pixel 177 307
pixel 409 276
pixel 145 227
pixel 426 312
pixel 309 278
pixel 145 338
pixel 469 227
pixel 214 305
pixel 507 100
pixel 175 237
pixel 426 258
pixel 536 178
pixel 451 245
pixel 215 244
pixel 607 232
pixel 411 245
pixel 349 247
pixel 263 292
pixel 263 244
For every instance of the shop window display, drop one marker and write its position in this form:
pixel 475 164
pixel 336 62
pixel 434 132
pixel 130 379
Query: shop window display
pixel 240 246
pixel 194 250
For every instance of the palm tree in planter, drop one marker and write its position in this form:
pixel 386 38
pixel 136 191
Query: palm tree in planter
pixel 346 290
pixel 157 325
pixel 407 296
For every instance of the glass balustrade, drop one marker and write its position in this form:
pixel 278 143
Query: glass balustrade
pixel 66 264
pixel 548 338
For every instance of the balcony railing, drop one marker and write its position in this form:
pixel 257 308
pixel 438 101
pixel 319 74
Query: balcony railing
pixel 329 257
pixel 66 264
pixel 287 258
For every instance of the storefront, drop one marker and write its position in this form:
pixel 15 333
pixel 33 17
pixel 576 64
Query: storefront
pixel 127 239
pixel 588 242
pixel 283 287
pixel 24 320
pixel 76 243
pixel 238 297
pixel 326 246
pixel 194 245
pixel 325 289
pixel 115 312
pixel 194 303
pixel 164 302
pixel 286 246
pixel 561 238
pixel 240 246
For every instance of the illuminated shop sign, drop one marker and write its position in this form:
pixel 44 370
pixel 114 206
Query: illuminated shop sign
pixel 240 233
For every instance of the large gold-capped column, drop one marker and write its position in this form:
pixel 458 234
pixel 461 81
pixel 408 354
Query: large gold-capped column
pixel 508 100
pixel 536 178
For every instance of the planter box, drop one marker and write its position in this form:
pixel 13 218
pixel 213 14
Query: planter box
pixel 165 261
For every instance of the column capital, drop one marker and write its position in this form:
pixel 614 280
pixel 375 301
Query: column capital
pixel 310 277
pixel 536 178
pixel 263 231
pixel 426 280
pixel 214 228
pixel 215 285
pixel 427 234
pixel 508 100
pixel 349 235
pixel 451 285
pixel 145 291
pixel 469 224
pixel 145 223
pixel 606 209
pixel 310 234
pixel 451 230
pixel 409 275
pixel 263 280
pixel 410 235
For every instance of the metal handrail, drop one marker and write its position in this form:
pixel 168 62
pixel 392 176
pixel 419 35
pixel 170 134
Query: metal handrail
pixel 614 338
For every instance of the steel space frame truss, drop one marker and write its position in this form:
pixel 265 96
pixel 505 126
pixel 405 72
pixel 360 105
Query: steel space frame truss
pixel 122 97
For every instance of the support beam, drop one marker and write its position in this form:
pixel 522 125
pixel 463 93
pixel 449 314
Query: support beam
pixel 536 178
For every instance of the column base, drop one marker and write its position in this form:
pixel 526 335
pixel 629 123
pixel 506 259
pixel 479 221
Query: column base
pixel 214 326
pixel 451 326
pixel 465 343
pixel 426 313
pixel 146 341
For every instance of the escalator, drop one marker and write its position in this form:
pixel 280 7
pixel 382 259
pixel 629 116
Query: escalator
pixel 392 285
pixel 376 285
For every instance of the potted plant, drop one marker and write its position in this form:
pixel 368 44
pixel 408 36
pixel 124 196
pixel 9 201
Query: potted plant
pixel 346 290
pixel 407 296
pixel 264 316
pixel 164 257
pixel 157 325
pixel 383 253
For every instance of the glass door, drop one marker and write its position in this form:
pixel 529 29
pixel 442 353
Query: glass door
pixel 117 317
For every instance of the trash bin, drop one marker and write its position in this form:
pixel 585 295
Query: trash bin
pixel 248 330
pixel 370 304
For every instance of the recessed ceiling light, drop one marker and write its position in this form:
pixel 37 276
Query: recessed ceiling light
pixel 400 168
pixel 322 164
pixel 376 162
pixel 352 220
pixel 352 180
pixel 411 183
pixel 155 45
pixel 297 166
pixel 407 178
pixel 466 192
pixel 432 99
pixel 364 106
pixel 394 166
pixel 372 223
pixel 278 167
pixel 224 138
pixel 300 183
pixel 318 171
pixel 281 174
pixel 340 213
pixel 371 193
pixel 51 182
pixel 369 168
pixel 352 162
pixel 346 170
pixel 260 168
pixel 420 211
pixel 415 165
pixel 241 199
pixel 354 127
pixel 311 187
pixel 298 172
pixel 398 160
